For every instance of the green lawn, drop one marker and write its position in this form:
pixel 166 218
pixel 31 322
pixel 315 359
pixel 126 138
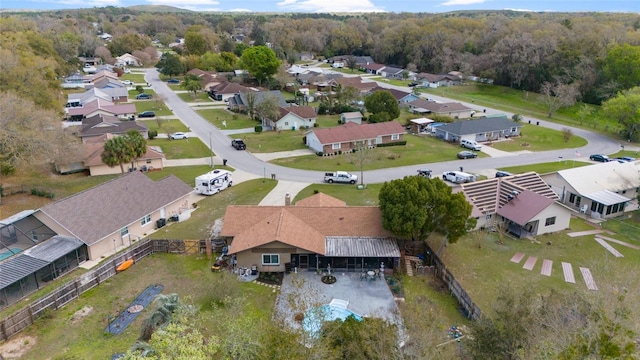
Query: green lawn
pixel 134 92
pixel 191 148
pixel 537 138
pixel 233 120
pixel 136 78
pixel 202 97
pixel 347 193
pixel 165 126
pixel 155 105
pixel 418 150
pixel 544 168
pixel 184 173
pixel 273 141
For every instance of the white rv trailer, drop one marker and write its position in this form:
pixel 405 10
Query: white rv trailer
pixel 213 182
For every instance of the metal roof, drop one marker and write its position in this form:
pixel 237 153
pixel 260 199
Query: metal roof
pixel 54 248
pixel 607 197
pixel 19 267
pixel 347 246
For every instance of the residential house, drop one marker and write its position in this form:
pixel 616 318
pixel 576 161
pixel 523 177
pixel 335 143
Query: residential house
pixel 112 215
pixel 522 204
pixel 390 72
pixel 242 101
pixel 483 129
pixel 373 68
pixel 354 117
pixel 292 117
pixel 79 99
pixel 402 97
pixel 127 59
pixel 354 82
pixel 107 82
pixel 152 159
pixel 602 190
pixel 454 110
pixel 436 80
pixel 346 137
pixel 224 90
pixel 315 233
pixel 98 125
pixel 306 56
pixel 101 107
pixel 75 80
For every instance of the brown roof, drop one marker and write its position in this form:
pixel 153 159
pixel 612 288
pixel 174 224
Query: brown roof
pixel 353 132
pixel 397 94
pixel 305 112
pixel 102 210
pixel 304 227
pixel 375 67
pixel 106 124
pixel 229 88
pixel 355 82
pixel 524 206
pixel 93 154
pixel 320 200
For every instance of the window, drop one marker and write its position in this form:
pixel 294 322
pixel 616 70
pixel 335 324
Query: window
pixel 335 146
pixel 286 123
pixel 572 198
pixel 124 231
pixel 270 259
pixel 148 161
pixel 513 130
pixel 550 221
pixel 145 220
pixel 395 136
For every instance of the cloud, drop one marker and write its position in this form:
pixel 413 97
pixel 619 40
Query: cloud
pixel 462 2
pixel 324 6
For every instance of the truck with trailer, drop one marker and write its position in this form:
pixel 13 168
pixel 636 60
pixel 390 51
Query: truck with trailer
pixel 213 182
pixel 340 177
pixel 458 177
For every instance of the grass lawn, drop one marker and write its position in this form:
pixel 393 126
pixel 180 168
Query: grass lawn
pixel 165 126
pixel 233 120
pixel 537 138
pixel 544 168
pixel 347 193
pixel 418 150
pixel 191 148
pixel 202 97
pixel 273 141
pixel 154 105
pixel 65 334
pixel 480 261
pixel 185 173
pixel 136 78
pixel 133 92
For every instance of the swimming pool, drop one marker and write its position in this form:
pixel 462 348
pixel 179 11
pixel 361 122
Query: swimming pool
pixel 314 318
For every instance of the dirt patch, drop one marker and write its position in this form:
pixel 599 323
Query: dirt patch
pixel 81 314
pixel 17 348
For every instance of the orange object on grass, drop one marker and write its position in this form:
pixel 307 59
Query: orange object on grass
pixel 125 265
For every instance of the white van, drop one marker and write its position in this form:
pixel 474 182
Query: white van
pixel 470 144
pixel 213 182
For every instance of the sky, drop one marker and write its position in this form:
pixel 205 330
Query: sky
pixel 338 6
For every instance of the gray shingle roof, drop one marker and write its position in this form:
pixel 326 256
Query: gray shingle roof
pixel 466 127
pixel 98 212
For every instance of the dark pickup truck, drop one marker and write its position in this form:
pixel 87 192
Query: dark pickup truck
pixel 238 144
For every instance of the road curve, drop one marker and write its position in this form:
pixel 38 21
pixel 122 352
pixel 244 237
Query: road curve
pixel 243 160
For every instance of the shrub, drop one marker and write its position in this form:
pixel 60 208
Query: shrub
pixel 397 143
pixel 42 193
pixel 320 153
pixel 258 128
pixel 153 134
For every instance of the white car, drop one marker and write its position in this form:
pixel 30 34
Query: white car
pixel 127 71
pixel 127 82
pixel 178 136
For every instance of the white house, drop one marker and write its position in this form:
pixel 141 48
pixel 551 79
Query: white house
pixel 127 60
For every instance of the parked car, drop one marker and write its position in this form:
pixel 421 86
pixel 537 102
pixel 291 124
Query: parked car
pixel 127 82
pixel 173 81
pixel 470 144
pixel 178 136
pixel 413 83
pixel 503 173
pixel 599 157
pixel 127 71
pixel 147 114
pixel 238 144
pixel 466 154
pixel 143 96
pixel 625 159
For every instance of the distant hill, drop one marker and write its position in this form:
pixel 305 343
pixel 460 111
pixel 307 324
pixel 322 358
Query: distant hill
pixel 157 8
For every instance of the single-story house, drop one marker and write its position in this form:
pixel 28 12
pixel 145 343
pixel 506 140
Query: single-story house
pixel 484 129
pixel 402 97
pixel 240 102
pixel 306 56
pixel 454 110
pixel 354 117
pixel 107 82
pixel 112 215
pixel 346 137
pixel 98 125
pixel 355 82
pixel 101 107
pixel 75 80
pixel 601 190
pixel 522 204
pixel 316 232
pixel 224 90
pixel 127 59
pixel 153 159
pixel 292 117
pixel 375 69
pixel 436 80
pixel 109 94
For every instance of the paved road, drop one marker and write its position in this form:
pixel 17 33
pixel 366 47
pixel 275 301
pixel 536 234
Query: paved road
pixel 242 160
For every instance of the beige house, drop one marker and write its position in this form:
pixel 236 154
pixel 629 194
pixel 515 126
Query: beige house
pixel 346 137
pixel 354 117
pixel 116 213
pixel 317 232
pixel 153 159
pixel 292 118
pixel 522 204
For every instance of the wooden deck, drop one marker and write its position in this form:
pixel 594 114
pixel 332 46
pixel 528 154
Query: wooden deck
pixel 610 248
pixel 546 267
pixel 588 279
pixel 568 273
pixel 584 233
pixel 517 257
pixel 531 262
pixel 620 242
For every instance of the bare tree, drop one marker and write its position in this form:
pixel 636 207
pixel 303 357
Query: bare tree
pixel 558 95
pixel 361 156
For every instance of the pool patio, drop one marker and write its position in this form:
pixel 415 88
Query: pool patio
pixel 305 290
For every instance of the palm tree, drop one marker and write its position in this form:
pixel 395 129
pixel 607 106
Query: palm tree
pixel 117 151
pixel 137 144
